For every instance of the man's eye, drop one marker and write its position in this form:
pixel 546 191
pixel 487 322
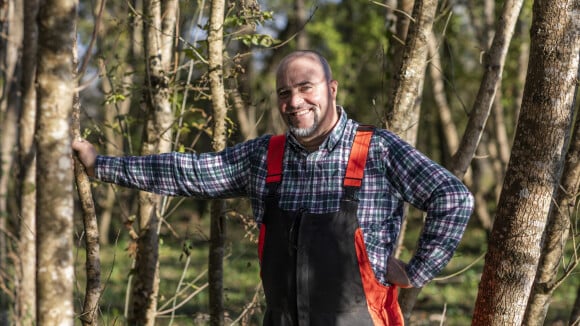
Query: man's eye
pixel 283 94
pixel 305 88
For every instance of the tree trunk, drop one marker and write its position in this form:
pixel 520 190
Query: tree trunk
pixel 404 106
pixel 218 223
pixel 300 19
pixel 91 229
pixel 393 65
pixel 556 236
pixel 26 298
pixel 10 46
pixel 55 203
pixel 158 35
pixel 437 80
pixel 397 41
pixel 535 166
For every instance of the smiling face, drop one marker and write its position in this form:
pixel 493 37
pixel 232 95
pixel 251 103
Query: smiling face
pixel 306 97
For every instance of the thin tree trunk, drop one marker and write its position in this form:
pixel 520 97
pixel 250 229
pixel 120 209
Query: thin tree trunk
pixel 159 29
pixel 10 46
pixel 91 234
pixel 396 50
pixel 91 229
pixel 435 71
pixel 404 107
pixel 218 223
pixel 481 209
pixel 300 21
pixel 55 203
pixel 535 166
pixel 556 235
pixel 500 132
pixel 397 41
pixel 26 305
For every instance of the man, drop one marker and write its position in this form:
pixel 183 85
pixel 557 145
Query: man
pixel 329 198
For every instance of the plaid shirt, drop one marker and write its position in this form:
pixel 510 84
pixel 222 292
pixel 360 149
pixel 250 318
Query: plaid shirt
pixel 395 173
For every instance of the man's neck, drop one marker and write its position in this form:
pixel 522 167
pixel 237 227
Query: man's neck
pixel 312 144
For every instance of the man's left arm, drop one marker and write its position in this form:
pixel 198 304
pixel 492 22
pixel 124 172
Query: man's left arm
pixel 448 209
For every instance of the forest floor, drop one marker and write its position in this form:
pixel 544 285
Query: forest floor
pixel 448 300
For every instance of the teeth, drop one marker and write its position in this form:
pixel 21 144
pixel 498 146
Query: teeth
pixel 301 113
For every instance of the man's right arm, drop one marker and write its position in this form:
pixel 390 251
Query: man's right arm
pixel 224 174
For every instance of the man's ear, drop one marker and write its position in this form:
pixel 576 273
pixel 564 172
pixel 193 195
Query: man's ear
pixel 333 84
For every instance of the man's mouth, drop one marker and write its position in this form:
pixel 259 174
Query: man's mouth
pixel 300 112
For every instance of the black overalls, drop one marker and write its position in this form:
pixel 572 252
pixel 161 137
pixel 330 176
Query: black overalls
pixel 314 267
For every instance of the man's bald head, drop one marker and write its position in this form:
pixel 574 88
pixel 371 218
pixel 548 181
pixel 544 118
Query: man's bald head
pixel 306 53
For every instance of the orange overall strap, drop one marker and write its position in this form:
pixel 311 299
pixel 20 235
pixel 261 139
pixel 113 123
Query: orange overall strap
pixel 274 162
pixel 358 157
pixel 275 158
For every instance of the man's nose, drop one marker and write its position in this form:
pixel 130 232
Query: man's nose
pixel 296 100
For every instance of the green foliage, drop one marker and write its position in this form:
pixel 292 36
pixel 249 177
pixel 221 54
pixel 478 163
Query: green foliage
pixel 261 40
pixel 353 37
pixel 248 17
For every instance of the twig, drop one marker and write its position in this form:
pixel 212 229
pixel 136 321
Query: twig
pixel 250 306
pixel 461 270
pixel 395 10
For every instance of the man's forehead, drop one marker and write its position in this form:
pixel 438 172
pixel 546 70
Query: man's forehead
pixel 300 69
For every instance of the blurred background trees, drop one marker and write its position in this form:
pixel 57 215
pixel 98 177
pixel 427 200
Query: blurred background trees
pixel 149 82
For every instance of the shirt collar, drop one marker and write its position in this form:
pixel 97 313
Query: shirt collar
pixel 333 138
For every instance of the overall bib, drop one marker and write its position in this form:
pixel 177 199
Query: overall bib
pixel 314 267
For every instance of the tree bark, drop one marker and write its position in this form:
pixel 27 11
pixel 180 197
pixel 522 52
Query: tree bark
pixel 535 166
pixel 91 229
pixel 218 222
pixel 26 305
pixel 10 46
pixel 559 220
pixel 397 40
pixel 159 28
pixel 55 203
pixel 404 106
